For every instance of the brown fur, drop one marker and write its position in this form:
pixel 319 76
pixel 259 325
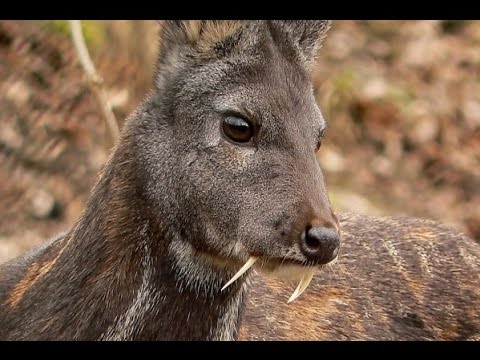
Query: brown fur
pixel 371 295
pixel 208 33
pixel 33 273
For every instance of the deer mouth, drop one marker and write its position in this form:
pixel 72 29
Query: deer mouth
pixel 283 268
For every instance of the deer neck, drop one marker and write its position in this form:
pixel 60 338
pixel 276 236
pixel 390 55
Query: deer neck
pixel 157 284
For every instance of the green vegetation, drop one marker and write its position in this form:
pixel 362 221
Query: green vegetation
pixel 93 31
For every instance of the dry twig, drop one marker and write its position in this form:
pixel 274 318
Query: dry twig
pixel 94 79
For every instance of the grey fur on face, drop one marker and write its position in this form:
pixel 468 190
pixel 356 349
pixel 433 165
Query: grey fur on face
pixel 236 200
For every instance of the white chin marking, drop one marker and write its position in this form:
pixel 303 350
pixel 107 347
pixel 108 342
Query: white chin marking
pixel 289 272
pixel 285 272
pixel 251 260
pixel 296 272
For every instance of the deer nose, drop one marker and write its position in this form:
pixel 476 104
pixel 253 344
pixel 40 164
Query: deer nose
pixel 320 244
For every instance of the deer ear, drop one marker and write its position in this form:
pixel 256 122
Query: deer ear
pixel 194 40
pixel 307 35
pixel 197 35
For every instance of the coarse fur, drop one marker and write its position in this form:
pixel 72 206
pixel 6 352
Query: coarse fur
pixel 178 208
pixel 397 278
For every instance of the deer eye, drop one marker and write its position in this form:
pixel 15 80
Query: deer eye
pixel 237 129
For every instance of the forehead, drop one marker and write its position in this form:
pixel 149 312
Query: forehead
pixel 275 91
pixel 261 79
pixel 256 58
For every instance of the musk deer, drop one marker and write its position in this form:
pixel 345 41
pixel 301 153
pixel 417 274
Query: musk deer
pixel 215 172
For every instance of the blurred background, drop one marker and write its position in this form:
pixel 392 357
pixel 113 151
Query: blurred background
pixel 402 100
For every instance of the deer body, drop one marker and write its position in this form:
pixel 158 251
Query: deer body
pixel 218 165
pixel 112 278
pixel 397 278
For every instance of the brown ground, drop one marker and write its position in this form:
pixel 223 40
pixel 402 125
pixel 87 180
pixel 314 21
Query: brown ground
pixel 402 99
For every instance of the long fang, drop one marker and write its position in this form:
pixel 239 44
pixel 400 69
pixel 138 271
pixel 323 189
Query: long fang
pixel 304 282
pixel 240 272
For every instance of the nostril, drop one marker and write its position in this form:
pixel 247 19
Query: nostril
pixel 312 242
pixel 320 244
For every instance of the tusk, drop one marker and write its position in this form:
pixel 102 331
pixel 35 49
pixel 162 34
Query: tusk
pixel 251 260
pixel 306 278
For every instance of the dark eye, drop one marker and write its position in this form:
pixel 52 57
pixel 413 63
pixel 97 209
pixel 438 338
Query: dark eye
pixel 237 129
